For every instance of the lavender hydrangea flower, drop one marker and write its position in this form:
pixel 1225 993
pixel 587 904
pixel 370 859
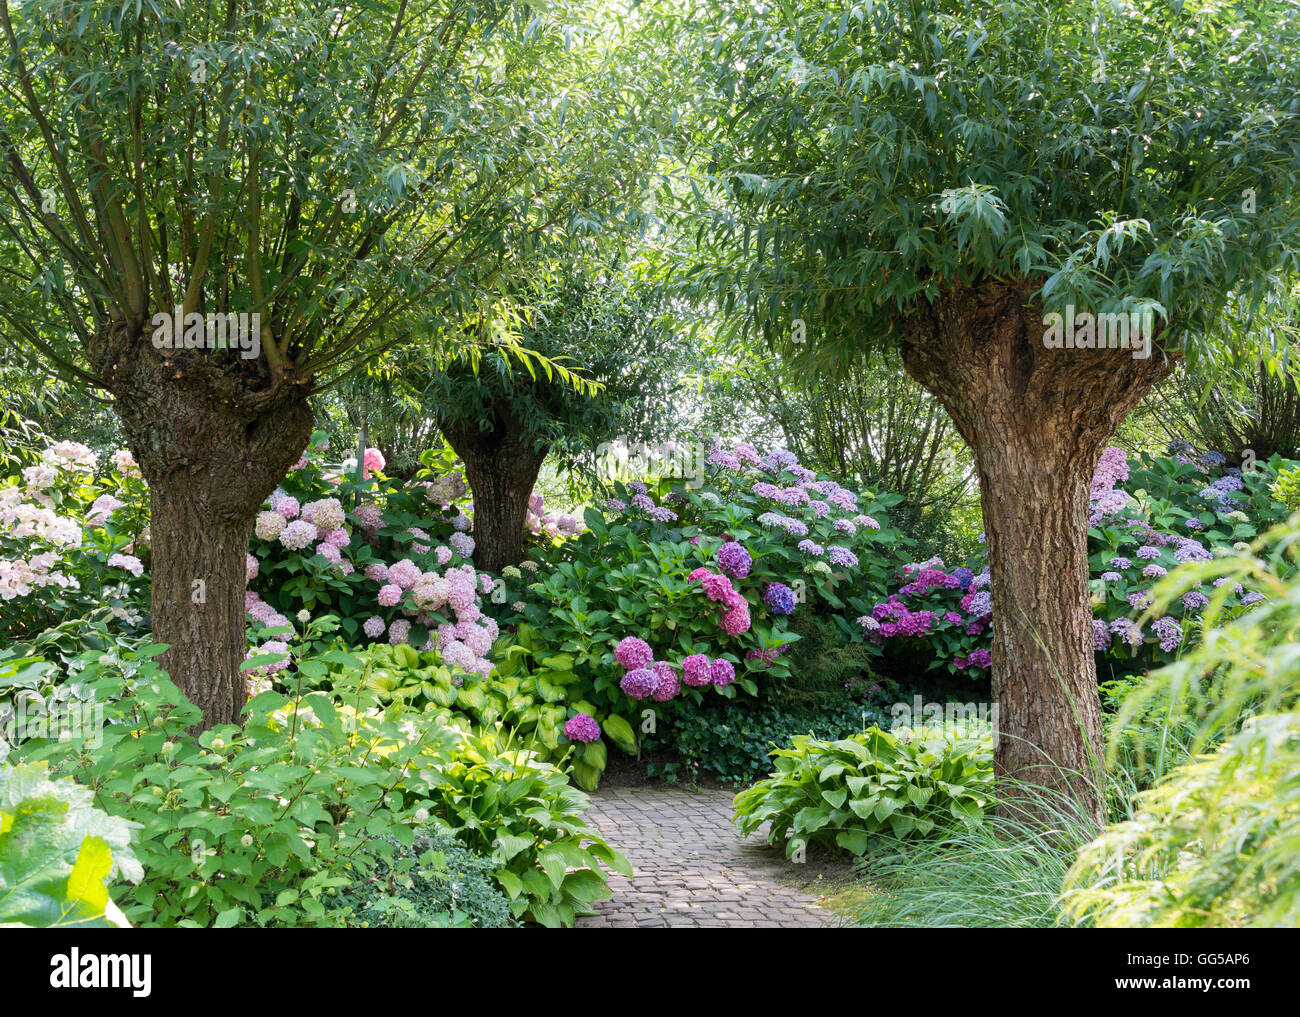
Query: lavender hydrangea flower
pixel 810 548
pixel 639 682
pixel 1154 571
pixel 1194 600
pixel 1120 562
pixel 1169 632
pixel 842 556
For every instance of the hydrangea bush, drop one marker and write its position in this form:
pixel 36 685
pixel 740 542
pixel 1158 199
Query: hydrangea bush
pixel 1147 516
pixel 675 592
pixel 73 537
pixel 391 560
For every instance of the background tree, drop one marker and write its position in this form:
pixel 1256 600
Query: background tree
pixel 940 175
pixel 347 171
pixel 503 412
pixel 1248 406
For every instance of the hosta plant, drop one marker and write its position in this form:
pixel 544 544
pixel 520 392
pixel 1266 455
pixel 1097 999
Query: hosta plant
pixel 908 782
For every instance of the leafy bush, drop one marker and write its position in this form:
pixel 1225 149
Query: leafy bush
pixel 676 602
pixel 58 852
pixel 1149 516
pixel 266 824
pixel 502 799
pixel 902 783
pixel 437 882
pixel 1213 843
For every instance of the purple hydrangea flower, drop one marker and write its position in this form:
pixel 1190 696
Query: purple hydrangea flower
pixel 722 672
pixel 734 560
pixel 779 599
pixel 1169 632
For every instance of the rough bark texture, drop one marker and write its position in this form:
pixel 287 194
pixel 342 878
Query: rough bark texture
pixel 501 466
pixel 1037 420
pixel 212 440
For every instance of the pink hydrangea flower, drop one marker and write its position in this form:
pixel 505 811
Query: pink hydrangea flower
pixel 633 653
pixel 695 670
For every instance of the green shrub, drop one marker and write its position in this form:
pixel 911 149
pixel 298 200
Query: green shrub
pixel 902 783
pixel 733 743
pixel 58 852
pixel 503 800
pixel 265 825
pixel 437 882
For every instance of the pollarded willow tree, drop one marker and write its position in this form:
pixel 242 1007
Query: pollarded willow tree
pixel 503 412
pixel 319 181
pixel 943 175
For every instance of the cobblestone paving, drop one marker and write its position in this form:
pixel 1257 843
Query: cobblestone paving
pixel 692 867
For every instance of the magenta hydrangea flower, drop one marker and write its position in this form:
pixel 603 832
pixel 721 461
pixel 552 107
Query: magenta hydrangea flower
pixel 717 586
pixel 633 653
pixel 695 670
pixel 639 682
pixel 722 672
pixel 582 728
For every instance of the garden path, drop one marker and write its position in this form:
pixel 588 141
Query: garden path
pixel 694 870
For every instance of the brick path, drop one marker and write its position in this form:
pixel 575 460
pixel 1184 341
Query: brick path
pixel 692 868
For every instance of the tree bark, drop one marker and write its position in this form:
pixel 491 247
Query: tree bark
pixel 1037 420
pixel 501 467
pixel 212 445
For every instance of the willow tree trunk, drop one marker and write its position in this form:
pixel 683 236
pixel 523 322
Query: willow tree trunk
pixel 501 467
pixel 212 447
pixel 1037 420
